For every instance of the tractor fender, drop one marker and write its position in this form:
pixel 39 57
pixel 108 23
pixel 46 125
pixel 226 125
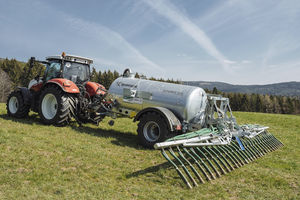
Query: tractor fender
pixel 27 96
pixel 65 84
pixel 173 122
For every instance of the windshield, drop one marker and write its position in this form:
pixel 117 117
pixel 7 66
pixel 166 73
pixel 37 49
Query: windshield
pixel 76 72
pixel 53 69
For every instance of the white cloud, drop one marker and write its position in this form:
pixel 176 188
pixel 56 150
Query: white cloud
pixel 246 61
pixel 181 55
pixel 75 35
pixel 114 40
pixel 168 10
pixel 229 61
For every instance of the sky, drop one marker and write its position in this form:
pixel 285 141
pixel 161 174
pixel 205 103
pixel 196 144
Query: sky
pixel 233 41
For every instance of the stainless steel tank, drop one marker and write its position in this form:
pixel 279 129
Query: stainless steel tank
pixel 188 103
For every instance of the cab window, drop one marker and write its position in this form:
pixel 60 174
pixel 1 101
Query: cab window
pixel 53 70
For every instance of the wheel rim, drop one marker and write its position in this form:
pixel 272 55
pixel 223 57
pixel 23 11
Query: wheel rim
pixel 13 104
pixel 151 131
pixel 49 106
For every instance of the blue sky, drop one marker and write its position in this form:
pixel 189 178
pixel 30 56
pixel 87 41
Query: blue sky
pixel 235 41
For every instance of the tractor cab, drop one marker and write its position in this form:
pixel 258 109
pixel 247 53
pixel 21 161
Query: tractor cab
pixel 73 68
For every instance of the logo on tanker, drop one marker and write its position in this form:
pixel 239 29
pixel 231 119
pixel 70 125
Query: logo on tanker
pixel 126 85
pixel 173 92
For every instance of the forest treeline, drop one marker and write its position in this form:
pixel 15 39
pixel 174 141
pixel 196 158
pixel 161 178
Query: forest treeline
pixel 261 103
pixel 14 73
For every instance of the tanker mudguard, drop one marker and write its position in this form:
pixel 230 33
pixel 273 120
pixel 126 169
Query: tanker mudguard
pixel 172 120
pixel 27 96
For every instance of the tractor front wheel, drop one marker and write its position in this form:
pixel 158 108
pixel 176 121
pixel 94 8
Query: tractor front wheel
pixel 16 106
pixel 55 106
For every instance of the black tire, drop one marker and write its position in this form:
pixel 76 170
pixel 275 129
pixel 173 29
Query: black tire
pixel 152 128
pixel 55 106
pixel 16 106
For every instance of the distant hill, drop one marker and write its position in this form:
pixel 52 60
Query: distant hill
pixel 284 89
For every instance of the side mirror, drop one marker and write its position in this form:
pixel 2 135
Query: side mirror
pixel 31 63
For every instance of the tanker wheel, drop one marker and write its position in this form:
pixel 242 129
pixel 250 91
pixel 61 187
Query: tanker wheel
pixel 55 106
pixel 16 106
pixel 152 128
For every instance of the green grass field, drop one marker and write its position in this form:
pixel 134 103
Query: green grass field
pixel 90 162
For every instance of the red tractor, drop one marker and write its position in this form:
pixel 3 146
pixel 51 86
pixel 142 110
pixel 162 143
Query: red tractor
pixel 64 92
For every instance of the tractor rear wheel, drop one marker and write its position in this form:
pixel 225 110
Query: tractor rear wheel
pixel 55 106
pixel 16 106
pixel 152 128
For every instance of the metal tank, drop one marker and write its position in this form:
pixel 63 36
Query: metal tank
pixel 188 103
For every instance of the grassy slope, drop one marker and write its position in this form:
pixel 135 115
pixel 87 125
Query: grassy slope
pixel 47 162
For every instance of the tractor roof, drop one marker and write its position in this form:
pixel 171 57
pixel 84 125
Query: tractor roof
pixel 71 58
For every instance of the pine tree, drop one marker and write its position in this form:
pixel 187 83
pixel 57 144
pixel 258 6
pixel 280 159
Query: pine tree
pixel 290 106
pixel 258 103
pixel 215 91
pixel 136 75
pixel 116 75
pixel 280 102
pixel 110 77
pixel 100 78
pixel 245 104
pixel 94 75
pixel 267 104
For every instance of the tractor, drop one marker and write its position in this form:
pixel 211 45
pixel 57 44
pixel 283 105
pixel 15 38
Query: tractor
pixel 62 93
